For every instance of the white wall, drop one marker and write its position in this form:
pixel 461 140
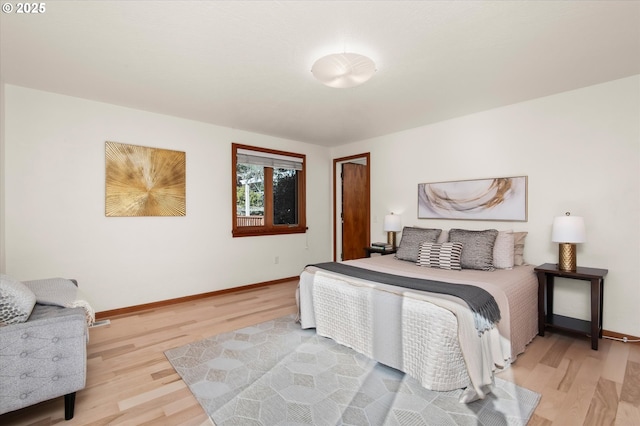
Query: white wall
pixel 581 153
pixel 580 150
pixel 2 176
pixel 54 212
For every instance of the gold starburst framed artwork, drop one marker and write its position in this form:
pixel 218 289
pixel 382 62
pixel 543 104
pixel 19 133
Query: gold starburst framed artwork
pixel 143 181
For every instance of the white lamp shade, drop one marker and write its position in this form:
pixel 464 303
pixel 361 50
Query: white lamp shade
pixel 392 223
pixel 343 70
pixel 568 229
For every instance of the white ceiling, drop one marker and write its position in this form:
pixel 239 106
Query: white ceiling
pixel 246 64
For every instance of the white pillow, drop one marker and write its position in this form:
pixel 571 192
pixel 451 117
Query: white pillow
pixel 503 250
pixel 16 301
pixel 518 248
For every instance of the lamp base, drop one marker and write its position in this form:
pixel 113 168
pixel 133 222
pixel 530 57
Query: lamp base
pixel 567 260
pixel 391 239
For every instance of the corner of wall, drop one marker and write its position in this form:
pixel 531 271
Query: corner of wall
pixel 2 180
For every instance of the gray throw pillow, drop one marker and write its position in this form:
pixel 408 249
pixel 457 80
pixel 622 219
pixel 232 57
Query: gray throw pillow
pixel 16 301
pixel 477 251
pixel 411 239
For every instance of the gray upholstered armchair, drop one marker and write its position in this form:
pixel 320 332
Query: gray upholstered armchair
pixel 44 357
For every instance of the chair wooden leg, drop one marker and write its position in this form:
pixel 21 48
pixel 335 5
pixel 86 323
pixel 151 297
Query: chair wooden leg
pixel 69 405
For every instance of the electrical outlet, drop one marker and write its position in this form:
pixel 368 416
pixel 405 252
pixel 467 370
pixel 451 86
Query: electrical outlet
pixel 101 323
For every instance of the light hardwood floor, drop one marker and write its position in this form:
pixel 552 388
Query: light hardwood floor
pixel 130 382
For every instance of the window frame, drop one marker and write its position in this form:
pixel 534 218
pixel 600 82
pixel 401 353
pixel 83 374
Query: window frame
pixel 268 228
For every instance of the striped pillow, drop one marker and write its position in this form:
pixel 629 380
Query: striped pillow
pixel 440 255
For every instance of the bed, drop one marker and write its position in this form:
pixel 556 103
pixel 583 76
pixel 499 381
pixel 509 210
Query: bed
pixel 431 336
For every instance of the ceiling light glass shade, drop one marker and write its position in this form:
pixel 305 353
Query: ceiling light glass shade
pixel 343 70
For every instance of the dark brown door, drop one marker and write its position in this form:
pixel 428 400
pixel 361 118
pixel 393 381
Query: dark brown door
pixel 355 211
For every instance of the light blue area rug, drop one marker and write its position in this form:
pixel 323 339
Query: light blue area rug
pixel 275 373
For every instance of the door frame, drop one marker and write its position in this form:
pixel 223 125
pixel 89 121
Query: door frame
pixel 365 159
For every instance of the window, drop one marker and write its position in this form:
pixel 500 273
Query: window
pixel 268 192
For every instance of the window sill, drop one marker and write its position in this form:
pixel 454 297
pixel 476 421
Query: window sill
pixel 254 232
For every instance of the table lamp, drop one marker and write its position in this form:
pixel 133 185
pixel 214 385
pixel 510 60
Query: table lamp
pixel 392 224
pixel 568 230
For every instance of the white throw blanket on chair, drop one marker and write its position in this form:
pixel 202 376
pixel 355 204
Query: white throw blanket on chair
pixel 61 292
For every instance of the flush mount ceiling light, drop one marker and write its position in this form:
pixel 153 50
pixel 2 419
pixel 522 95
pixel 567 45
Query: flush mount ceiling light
pixel 343 70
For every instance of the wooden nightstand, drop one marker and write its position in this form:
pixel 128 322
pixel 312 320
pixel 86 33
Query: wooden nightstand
pixel 546 273
pixel 379 250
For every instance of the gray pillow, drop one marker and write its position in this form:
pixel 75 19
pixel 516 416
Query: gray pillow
pixel 16 301
pixel 477 251
pixel 412 238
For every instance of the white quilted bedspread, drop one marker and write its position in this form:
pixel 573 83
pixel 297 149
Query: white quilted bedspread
pixel 428 337
pixel 436 341
pixel 430 350
pixel 344 313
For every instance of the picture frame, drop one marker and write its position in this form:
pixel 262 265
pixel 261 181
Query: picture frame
pixel 144 181
pixel 499 199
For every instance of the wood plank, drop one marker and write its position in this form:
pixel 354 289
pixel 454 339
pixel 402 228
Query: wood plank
pixel 557 351
pixel 627 414
pixel 551 403
pixel 604 405
pixel 539 378
pixel 631 386
pixel 579 396
pixel 615 363
pixel 634 352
